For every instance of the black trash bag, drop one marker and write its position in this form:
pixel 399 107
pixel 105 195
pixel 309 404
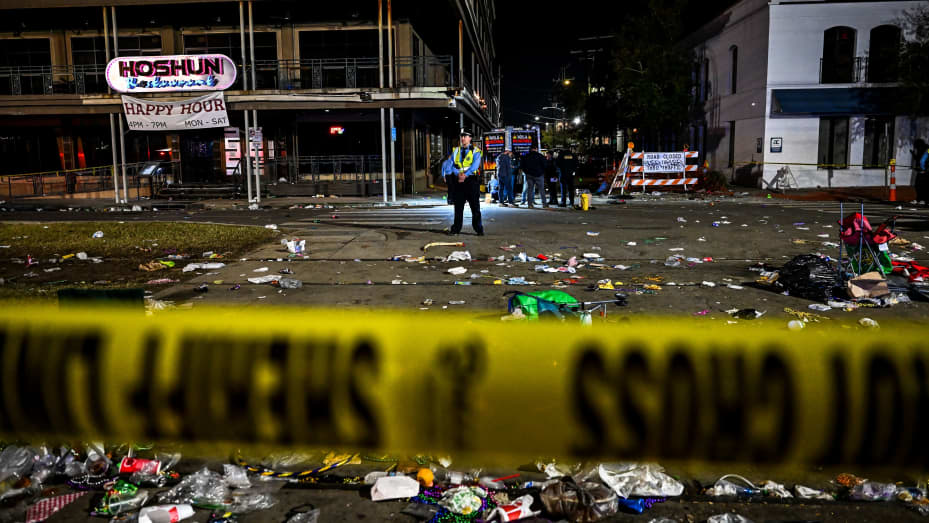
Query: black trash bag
pixel 809 276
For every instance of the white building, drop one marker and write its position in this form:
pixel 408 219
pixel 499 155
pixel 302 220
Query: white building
pixel 802 93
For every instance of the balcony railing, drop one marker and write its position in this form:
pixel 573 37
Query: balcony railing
pixel 52 79
pixel 852 72
pixel 352 73
pixel 315 73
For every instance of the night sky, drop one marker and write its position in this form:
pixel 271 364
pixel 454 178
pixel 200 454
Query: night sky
pixel 532 44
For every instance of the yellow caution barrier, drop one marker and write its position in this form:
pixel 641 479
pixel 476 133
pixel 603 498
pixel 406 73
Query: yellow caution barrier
pixel 401 382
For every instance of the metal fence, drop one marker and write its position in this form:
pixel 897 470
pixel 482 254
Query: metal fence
pixel 852 72
pixel 331 168
pixel 142 179
pixel 316 73
pixel 352 73
pixel 52 79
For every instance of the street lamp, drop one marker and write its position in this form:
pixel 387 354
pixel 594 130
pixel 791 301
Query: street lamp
pixel 537 118
pixel 577 120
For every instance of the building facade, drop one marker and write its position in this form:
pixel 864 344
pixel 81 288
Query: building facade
pixel 321 76
pixel 802 94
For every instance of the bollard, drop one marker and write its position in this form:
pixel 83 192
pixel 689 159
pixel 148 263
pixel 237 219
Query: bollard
pixel 585 201
pixel 893 179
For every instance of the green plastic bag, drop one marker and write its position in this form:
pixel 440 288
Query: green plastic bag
pixel 534 303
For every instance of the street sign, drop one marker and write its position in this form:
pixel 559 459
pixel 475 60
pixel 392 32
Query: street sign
pixel 664 162
pixel 777 145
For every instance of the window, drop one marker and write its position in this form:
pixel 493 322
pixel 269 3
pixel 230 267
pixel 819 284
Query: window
pixel 25 52
pixel 28 58
pixel 229 44
pixel 732 144
pixel 88 54
pixel 144 45
pixel 734 70
pixel 878 140
pixel 833 143
pixel 838 62
pixel 884 54
pixel 338 47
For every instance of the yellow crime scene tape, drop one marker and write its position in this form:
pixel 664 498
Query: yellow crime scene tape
pixel 413 383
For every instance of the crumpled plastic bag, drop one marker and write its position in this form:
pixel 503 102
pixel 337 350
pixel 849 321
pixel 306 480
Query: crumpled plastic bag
pixel 584 502
pixel 16 462
pixel 203 487
pixel 728 518
pixel 776 490
pixel 463 500
pixel 639 479
pixel 804 492
pixel 556 470
pixel 724 487
pixel 459 256
pixel 873 491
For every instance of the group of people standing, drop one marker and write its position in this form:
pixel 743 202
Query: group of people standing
pixel 540 173
pixel 462 175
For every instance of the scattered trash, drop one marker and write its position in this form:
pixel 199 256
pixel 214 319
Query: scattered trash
pixel 708 284
pixel 394 487
pixel 296 246
pixel 98 234
pixel 459 256
pixel 271 226
pixel 635 479
pixel 746 314
pixel 819 307
pixel 728 518
pixel 290 283
pixel 868 323
pixel 811 493
pixel 795 325
pixel 592 233
pixel 263 279
pixel 203 266
pixel 868 285
pixel 457 270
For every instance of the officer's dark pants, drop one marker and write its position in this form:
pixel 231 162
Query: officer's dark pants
pixel 567 191
pixel 469 191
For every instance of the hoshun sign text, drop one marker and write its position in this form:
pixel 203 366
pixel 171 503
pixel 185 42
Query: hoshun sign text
pixel 141 74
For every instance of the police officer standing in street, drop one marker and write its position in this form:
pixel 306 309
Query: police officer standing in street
pixel 568 161
pixel 467 160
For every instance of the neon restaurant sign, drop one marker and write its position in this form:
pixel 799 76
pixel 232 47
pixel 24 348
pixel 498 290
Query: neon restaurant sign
pixel 154 74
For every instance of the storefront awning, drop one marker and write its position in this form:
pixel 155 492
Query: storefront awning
pixel 834 101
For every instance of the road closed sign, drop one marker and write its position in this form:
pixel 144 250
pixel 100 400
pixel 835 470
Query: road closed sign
pixel 663 162
pixel 193 113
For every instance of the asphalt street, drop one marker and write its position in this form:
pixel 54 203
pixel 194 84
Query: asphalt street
pixel 350 248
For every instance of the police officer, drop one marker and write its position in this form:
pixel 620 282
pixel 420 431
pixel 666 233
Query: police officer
pixel 568 160
pixel 467 160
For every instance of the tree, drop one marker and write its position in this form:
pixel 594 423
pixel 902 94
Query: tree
pixel 646 83
pixel 914 61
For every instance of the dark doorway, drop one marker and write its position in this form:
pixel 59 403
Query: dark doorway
pixel 200 157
